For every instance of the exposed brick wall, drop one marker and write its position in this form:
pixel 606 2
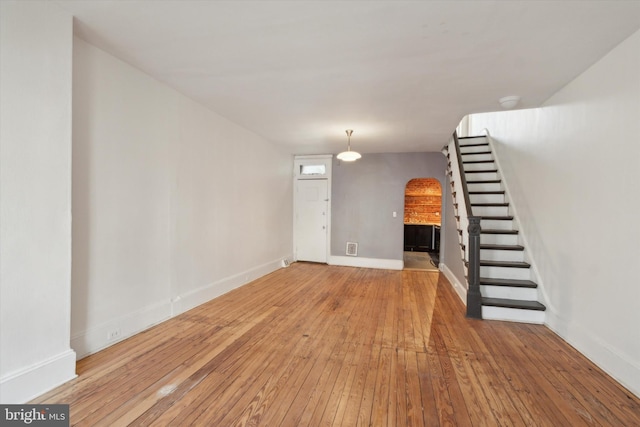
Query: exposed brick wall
pixel 423 201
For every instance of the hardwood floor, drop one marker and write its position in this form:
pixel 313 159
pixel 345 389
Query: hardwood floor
pixel 314 345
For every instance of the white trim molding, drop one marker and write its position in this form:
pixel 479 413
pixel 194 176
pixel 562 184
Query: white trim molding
pixel 18 387
pixel 610 359
pixel 460 288
pixel 186 302
pixel 91 341
pixel 348 261
pixel 97 338
pixel 522 235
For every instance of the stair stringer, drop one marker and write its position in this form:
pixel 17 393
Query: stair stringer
pixel 459 207
pixel 459 204
pixel 543 296
pixel 519 302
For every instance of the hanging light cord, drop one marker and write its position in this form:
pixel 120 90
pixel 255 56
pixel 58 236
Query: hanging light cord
pixel 349 132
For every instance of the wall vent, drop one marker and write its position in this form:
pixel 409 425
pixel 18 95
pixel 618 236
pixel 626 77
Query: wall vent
pixel 352 249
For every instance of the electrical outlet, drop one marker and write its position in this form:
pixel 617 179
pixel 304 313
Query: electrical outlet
pixel 113 334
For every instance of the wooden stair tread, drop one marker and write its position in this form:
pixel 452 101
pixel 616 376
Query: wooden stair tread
pixel 513 303
pixel 471 137
pixel 494 231
pixel 476 144
pixel 513 264
pixel 503 247
pixel 508 282
pixel 477 152
pixel 490 204
pixel 487 281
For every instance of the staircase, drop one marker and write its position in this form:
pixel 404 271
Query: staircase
pixel 506 285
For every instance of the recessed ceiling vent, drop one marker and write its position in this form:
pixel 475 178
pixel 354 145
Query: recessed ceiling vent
pixel 352 249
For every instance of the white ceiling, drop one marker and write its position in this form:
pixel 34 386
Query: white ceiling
pixel 401 74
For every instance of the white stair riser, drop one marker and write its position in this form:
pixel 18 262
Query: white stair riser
pixel 490 210
pixel 505 272
pixel 486 198
pixel 473 157
pixel 475 149
pixel 485 186
pixel 487 162
pixel 479 166
pixel 499 239
pixel 509 292
pixel 513 314
pixel 481 176
pixel 501 255
pixel 495 224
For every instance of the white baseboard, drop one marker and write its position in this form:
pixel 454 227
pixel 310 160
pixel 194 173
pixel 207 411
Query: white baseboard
pixel 17 388
pixel 95 339
pixel 507 314
pixel 349 261
pixel 606 357
pixel 189 300
pixel 460 288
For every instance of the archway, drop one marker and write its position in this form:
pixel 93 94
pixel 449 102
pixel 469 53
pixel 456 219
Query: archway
pixel 422 220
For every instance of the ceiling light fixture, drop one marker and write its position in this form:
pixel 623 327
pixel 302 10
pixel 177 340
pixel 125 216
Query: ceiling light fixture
pixel 508 102
pixel 349 156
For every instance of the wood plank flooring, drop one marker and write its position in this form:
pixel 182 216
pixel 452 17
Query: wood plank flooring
pixel 314 345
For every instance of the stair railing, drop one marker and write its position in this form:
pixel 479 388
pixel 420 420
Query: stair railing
pixel 470 227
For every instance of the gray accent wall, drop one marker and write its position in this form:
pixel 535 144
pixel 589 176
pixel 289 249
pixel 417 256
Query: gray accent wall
pixel 365 194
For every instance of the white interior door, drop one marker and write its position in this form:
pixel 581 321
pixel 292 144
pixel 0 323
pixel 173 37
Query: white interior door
pixel 311 220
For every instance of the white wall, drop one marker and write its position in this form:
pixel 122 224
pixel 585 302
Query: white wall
pixel 172 204
pixel 573 168
pixel 35 199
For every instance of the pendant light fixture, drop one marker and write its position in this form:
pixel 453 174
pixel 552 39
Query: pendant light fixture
pixel 349 156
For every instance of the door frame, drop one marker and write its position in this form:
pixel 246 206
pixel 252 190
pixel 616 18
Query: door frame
pixel 298 162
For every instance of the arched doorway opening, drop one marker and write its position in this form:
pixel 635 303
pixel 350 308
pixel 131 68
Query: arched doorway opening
pixel 422 221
